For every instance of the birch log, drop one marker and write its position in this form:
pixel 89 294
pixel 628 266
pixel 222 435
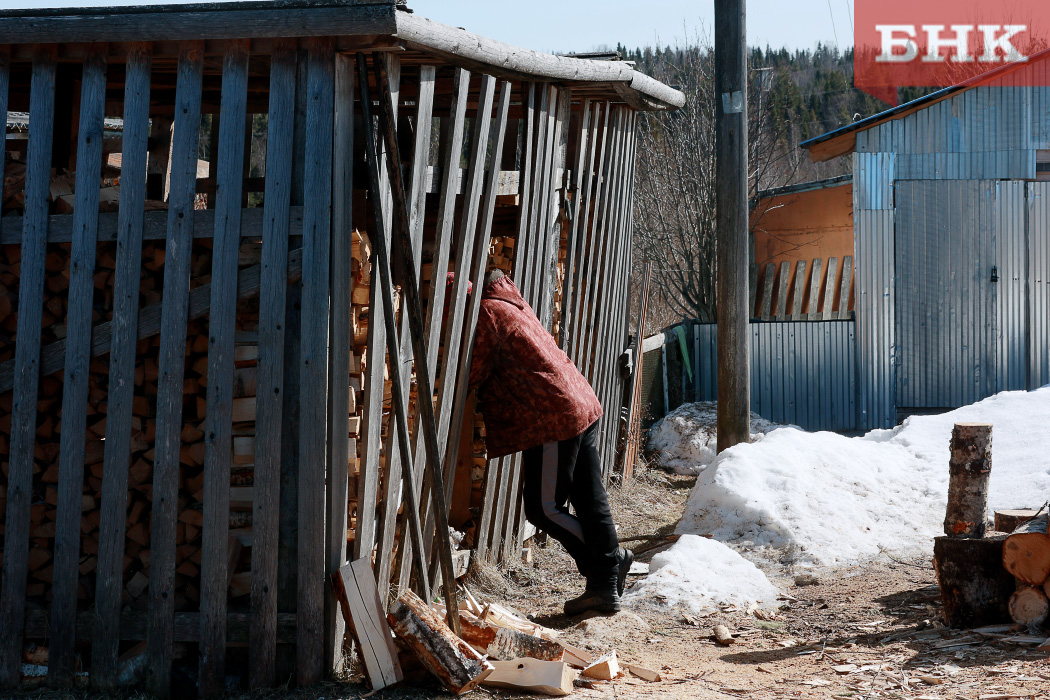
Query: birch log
pixel 970 466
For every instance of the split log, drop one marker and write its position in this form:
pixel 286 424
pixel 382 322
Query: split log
pixel 506 644
pixel 1029 606
pixel 975 586
pixel 454 662
pixel 969 469
pixel 1026 553
pixel 604 668
pixel 355 587
pixel 1010 520
pixel 532 676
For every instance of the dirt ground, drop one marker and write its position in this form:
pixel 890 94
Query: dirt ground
pixel 867 632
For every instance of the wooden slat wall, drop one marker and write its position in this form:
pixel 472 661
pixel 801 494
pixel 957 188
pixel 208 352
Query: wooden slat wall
pixel 573 270
pixel 27 358
pixel 171 365
pixel 218 451
pixel 270 375
pixel 809 292
pixel 313 379
pixel 78 358
pixel 109 581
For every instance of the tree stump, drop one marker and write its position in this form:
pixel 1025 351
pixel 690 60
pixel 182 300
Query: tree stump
pixel 969 468
pixel 975 587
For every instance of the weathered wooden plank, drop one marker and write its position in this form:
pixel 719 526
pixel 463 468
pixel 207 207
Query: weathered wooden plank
pixel 574 241
pixel 417 197
pixel 513 511
pixel 482 240
pixel 453 331
pixel 452 149
pixel 491 493
pixel 830 287
pixel 27 360
pixel 610 302
pixel 356 585
pixel 800 290
pixel 536 186
pixel 767 290
pixel 592 182
pixel 172 365
pixel 109 580
pixel 372 420
pixel 542 210
pixel 844 287
pixel 815 278
pixel 614 310
pixel 160 23
pixel 314 364
pixel 588 364
pixel 782 289
pixel 340 348
pixel 154 226
pixel 218 450
pixel 75 381
pixel 288 521
pixel 557 186
pixel 382 264
pixel 270 378
pixel 186 626
pixel 410 287
pixel 610 132
pixel 528 127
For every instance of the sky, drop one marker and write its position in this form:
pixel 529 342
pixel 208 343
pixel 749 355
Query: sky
pixel 589 25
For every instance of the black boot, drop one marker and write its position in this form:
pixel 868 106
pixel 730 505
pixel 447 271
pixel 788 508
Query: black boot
pixel 624 559
pixel 600 596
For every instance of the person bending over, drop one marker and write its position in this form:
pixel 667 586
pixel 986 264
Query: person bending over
pixel 536 402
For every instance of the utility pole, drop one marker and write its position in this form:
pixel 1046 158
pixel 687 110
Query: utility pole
pixel 734 380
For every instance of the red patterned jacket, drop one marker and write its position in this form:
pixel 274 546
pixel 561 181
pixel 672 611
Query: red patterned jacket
pixel 528 389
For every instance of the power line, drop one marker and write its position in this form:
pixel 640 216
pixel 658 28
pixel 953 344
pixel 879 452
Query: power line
pixel 834 31
pixel 849 13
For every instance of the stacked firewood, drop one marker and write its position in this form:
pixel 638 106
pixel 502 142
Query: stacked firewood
pixel 1026 555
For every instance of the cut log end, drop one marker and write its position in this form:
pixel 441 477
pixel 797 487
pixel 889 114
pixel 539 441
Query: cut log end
pixel 1026 553
pixel 1029 606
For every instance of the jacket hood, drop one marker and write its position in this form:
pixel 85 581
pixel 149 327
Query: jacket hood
pixel 504 289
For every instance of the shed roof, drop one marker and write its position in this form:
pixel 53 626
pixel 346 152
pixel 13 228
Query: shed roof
pixel 844 139
pixel 255 19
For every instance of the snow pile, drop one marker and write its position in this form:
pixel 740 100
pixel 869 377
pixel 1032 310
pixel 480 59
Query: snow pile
pixel 700 574
pixel 686 438
pixel 824 499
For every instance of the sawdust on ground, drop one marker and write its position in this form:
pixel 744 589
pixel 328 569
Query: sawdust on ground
pixel 869 632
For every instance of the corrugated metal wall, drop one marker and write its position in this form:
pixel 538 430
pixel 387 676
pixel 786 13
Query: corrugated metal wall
pixel 945 301
pixel 1011 259
pixel 802 373
pixel 874 287
pixel 1039 283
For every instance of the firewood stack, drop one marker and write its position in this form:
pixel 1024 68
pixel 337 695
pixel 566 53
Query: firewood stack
pixel 1026 555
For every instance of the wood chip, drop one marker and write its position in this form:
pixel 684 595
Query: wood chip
pixel 845 668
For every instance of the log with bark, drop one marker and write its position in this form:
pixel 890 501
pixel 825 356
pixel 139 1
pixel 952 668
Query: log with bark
pixel 1026 554
pixel 1029 606
pixel 1010 520
pixel 452 661
pixel 969 469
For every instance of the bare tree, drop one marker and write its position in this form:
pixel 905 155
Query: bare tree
pixel 675 182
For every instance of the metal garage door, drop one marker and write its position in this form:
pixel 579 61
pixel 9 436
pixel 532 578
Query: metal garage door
pixel 945 294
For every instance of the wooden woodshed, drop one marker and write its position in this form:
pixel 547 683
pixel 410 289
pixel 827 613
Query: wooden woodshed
pixel 195 389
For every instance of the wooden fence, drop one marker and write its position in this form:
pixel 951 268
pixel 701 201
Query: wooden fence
pixel 809 290
pixel 200 485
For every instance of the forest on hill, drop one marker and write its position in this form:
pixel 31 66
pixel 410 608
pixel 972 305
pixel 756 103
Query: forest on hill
pixel 792 96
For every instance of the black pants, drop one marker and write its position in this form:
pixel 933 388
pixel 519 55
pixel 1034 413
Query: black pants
pixel 570 472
